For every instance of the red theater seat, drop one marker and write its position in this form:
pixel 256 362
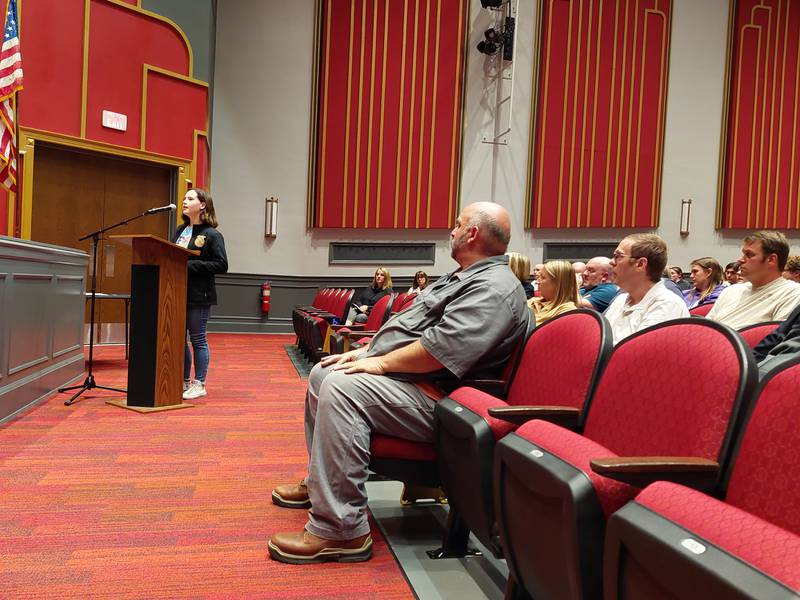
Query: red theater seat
pixel 675 542
pixel 341 336
pixel 555 488
pixel 702 310
pixel 414 463
pixel 556 376
pixel 753 334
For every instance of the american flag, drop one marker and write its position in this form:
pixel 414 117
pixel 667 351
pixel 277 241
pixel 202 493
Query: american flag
pixel 10 84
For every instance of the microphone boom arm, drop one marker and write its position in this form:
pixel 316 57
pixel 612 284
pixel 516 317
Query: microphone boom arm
pixel 99 232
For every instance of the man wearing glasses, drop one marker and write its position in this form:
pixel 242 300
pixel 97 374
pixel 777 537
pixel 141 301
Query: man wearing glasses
pixel 637 265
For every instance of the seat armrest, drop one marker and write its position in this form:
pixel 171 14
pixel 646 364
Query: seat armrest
pixel 359 334
pixel 641 471
pixel 325 316
pixel 494 387
pixel 339 326
pixel 566 416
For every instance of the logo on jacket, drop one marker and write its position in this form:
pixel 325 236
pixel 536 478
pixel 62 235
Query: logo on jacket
pixel 200 241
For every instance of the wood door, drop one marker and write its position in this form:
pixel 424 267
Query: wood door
pixel 75 193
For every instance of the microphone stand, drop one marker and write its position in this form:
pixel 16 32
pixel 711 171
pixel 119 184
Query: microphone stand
pixel 89 383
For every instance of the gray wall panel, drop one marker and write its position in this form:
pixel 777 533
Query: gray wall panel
pixel 3 339
pixel 42 291
pixel 68 299
pixel 239 299
pixel 29 295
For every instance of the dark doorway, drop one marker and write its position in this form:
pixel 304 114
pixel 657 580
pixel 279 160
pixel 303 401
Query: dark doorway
pixel 77 192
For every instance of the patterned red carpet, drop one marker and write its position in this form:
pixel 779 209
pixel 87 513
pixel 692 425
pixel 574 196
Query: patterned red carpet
pixel 98 501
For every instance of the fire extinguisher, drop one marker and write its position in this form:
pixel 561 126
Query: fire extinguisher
pixel 265 297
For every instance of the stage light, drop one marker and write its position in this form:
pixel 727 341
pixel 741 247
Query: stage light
pixel 491 44
pixel 495 40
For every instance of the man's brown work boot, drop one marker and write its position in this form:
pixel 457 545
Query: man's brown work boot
pixel 305 548
pixel 291 495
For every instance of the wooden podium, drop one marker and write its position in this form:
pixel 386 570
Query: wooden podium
pixel 158 324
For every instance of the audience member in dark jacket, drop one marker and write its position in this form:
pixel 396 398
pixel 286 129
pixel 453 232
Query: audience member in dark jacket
pixel 782 343
pixel 198 232
pixel 381 286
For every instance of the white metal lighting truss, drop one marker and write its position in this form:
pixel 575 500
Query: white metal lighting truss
pixel 503 75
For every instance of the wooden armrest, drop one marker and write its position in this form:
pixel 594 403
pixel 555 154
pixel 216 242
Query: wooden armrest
pixel 566 416
pixel 359 334
pixel 699 473
pixel 495 387
pixel 339 326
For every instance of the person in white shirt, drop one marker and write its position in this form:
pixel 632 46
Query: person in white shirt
pixel 637 265
pixel 764 295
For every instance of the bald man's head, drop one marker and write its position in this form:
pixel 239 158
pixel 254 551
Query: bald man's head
pixel 494 222
pixel 483 228
pixel 597 271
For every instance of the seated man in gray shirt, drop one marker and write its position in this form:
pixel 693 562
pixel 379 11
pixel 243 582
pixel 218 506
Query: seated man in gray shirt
pixel 467 323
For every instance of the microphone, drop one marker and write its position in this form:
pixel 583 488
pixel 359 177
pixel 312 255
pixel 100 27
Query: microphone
pixel 153 211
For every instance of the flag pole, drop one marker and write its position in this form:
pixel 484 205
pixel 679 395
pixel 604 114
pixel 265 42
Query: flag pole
pixel 16 192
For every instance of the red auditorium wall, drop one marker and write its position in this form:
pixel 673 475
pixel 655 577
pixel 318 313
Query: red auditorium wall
pixel 598 132
pixel 760 175
pixel 83 57
pixel 387 123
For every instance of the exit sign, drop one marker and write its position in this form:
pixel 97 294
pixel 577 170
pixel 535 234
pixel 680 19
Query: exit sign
pixel 114 120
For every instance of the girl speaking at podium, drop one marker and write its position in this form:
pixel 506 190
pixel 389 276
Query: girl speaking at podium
pixel 198 232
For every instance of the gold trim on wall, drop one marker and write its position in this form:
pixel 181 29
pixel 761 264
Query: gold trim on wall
pixel 315 196
pixel 532 129
pixel 314 112
pixel 463 32
pixel 193 166
pixel 723 138
pixel 186 169
pixel 146 69
pixel 621 101
pixel 163 19
pixel 85 72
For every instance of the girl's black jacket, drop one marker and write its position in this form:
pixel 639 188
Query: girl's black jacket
pixel 201 290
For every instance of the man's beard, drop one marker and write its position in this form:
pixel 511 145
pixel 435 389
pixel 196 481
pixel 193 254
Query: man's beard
pixel 457 243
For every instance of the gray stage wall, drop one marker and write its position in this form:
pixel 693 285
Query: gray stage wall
pixel 239 299
pixel 42 297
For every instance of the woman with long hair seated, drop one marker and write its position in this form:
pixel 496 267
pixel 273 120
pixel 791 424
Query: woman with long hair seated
pixel 521 266
pixel 420 283
pixel 558 289
pixel 381 286
pixel 707 282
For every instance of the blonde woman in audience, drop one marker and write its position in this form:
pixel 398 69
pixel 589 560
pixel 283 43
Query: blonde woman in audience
pixel 706 277
pixel 558 289
pixel 521 266
pixel 420 283
pixel 381 286
pixel 792 269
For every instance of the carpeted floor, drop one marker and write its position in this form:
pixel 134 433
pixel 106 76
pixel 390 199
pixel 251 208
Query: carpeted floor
pixel 97 501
